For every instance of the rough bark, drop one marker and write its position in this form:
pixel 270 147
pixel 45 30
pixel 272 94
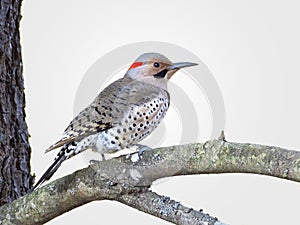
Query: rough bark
pixel 15 178
pixel 165 208
pixel 127 179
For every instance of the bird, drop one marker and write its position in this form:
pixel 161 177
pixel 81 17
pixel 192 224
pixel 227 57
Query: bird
pixel 123 113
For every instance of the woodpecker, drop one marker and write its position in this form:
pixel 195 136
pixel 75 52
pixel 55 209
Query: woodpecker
pixel 123 114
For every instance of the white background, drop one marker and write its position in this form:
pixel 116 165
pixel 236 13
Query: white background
pixel 252 49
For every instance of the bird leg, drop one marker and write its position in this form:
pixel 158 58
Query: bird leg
pixel 93 161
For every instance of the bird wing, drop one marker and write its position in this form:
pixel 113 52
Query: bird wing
pixel 87 122
pixel 92 119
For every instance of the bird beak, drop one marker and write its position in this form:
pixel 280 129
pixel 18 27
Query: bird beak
pixel 176 66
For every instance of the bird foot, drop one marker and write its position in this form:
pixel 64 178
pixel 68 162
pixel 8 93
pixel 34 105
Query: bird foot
pixel 93 161
pixel 142 148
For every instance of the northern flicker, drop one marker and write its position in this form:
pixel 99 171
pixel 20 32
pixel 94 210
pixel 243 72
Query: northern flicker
pixel 123 114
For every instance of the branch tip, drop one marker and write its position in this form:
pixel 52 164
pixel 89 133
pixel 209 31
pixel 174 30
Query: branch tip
pixel 222 136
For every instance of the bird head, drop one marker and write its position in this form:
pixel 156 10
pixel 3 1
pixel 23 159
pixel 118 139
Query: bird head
pixel 155 68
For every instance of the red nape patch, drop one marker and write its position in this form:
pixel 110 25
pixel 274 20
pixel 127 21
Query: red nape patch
pixel 135 65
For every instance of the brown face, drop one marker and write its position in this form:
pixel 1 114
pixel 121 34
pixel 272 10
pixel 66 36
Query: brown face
pixel 160 69
pixel 157 66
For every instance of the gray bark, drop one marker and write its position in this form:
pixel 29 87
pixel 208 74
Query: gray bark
pixel 15 178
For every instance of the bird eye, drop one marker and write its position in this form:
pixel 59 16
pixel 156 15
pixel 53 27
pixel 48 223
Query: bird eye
pixel 156 64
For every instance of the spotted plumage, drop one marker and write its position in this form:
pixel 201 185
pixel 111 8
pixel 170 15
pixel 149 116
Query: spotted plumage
pixel 123 114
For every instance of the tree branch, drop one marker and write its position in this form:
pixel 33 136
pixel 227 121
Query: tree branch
pixel 167 209
pixel 127 178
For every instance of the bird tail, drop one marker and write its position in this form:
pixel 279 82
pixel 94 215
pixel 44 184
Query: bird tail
pixel 53 168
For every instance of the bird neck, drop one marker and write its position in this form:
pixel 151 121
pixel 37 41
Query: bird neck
pixel 161 83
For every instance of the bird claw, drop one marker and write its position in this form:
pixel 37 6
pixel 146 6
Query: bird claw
pixel 141 149
pixel 93 161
